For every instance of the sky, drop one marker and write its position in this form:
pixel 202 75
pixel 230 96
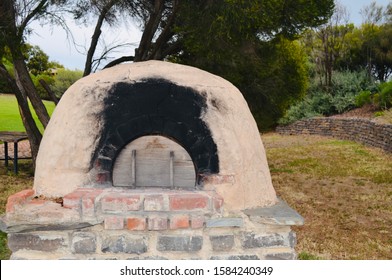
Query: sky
pixel 54 42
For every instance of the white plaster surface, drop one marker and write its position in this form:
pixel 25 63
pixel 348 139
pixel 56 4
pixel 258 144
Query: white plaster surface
pixel 74 131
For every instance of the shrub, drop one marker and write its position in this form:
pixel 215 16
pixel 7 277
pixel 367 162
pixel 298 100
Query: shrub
pixel 385 98
pixel 363 98
pixel 302 110
pixel 40 89
pixel 64 79
pixel 340 97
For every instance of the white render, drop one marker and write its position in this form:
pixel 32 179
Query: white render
pixel 74 131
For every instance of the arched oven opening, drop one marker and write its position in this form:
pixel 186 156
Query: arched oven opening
pixel 154 107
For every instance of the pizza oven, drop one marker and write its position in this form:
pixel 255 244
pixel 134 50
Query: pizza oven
pixel 151 159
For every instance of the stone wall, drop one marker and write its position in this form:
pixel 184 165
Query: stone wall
pixel 363 131
pixel 145 224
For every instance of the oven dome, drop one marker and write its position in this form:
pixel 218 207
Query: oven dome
pixel 100 115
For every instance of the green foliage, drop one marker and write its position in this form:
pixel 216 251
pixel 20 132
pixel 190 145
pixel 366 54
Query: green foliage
pixel 385 99
pixel 4 87
pixel 37 60
pixel 273 81
pixel 363 98
pixel 40 89
pixel 63 79
pixel 341 97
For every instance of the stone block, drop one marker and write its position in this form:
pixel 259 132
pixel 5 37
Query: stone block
pixel 222 242
pixel 83 243
pixel 278 214
pixel 44 241
pixel 251 240
pixel 224 222
pixel 281 256
pixel 179 243
pixel 235 257
pixel 124 244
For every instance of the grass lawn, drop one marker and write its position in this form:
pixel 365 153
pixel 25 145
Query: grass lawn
pixel 9 113
pixel 341 188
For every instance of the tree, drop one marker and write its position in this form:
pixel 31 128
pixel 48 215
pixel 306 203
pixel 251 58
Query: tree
pixel 15 17
pixel 332 42
pixel 382 53
pixel 64 79
pixel 252 44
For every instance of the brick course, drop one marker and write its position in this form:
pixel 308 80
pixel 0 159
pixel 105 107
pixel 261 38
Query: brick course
pixel 99 224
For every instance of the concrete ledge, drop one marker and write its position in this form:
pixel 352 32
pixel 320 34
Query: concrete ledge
pixel 278 214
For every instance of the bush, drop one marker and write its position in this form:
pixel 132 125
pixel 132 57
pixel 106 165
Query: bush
pixel 385 98
pixel 302 110
pixel 339 98
pixel 363 98
pixel 64 79
pixel 40 89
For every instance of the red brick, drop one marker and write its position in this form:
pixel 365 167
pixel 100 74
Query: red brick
pixel 188 202
pixel 154 203
pixel 73 200
pixel 157 223
pixel 114 222
pixel 179 221
pixel 117 202
pixel 197 222
pixel 136 223
pixel 89 201
pixel 18 199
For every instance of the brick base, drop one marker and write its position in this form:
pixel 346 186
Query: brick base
pixel 129 224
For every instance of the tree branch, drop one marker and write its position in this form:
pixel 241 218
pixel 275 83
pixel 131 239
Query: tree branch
pixel 166 34
pixel 119 60
pixel 30 16
pixel 150 30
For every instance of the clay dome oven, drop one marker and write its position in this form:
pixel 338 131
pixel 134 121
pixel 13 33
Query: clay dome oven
pixel 151 160
pixel 155 124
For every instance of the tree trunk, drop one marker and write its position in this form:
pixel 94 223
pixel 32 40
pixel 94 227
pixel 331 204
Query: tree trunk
pixel 49 91
pixel 95 38
pixel 26 86
pixel 34 135
pixel 150 29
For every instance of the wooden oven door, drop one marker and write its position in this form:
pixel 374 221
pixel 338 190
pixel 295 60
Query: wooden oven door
pixel 154 161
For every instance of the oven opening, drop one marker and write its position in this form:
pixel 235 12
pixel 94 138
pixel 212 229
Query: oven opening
pixel 154 161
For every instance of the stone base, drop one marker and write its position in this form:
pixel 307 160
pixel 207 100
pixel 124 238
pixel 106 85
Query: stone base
pixel 124 224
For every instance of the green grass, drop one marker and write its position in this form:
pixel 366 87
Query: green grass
pixel 10 119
